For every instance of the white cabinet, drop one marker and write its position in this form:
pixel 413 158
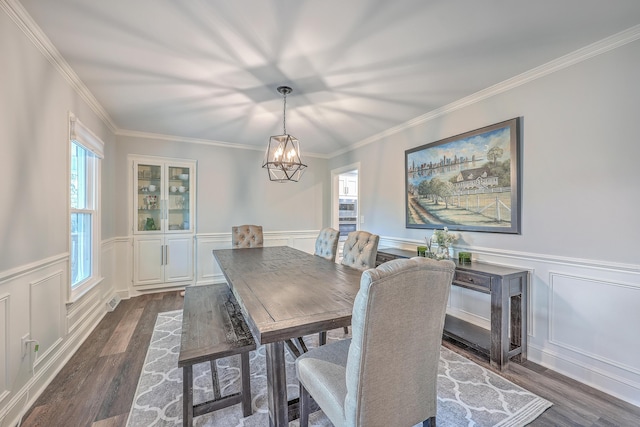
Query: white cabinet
pixel 162 221
pixel 163 259
pixel 348 185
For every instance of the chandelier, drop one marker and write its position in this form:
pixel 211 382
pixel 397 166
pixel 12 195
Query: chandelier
pixel 282 159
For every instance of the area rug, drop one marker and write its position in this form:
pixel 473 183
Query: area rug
pixel 468 394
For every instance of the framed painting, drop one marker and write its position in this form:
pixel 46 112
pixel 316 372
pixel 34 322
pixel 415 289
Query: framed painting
pixel 468 182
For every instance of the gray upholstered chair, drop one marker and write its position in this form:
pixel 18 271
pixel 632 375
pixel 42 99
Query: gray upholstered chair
pixel 246 236
pixel 327 243
pixel 360 250
pixel 386 374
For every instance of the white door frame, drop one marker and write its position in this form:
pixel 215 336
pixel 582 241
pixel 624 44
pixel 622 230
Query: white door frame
pixel 335 193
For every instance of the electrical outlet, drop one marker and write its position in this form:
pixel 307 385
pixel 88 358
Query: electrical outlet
pixel 24 344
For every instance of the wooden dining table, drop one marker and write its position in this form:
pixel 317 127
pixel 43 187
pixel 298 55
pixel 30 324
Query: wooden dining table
pixel 285 293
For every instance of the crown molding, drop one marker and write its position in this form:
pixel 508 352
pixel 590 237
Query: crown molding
pixel 605 45
pixel 25 22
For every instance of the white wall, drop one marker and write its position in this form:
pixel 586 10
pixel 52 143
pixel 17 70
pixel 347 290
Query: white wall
pixel 233 188
pixel 35 101
pixel 579 212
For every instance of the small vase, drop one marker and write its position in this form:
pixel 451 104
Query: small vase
pixel 443 252
pixel 451 255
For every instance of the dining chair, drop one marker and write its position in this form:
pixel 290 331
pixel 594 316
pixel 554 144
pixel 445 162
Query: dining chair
pixel 386 374
pixel 327 243
pixel 246 236
pixel 360 250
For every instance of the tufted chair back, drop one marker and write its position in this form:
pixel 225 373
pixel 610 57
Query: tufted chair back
pixel 327 243
pixel 351 380
pixel 360 250
pixel 246 236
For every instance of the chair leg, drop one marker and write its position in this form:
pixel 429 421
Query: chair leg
pixel 322 338
pixel 346 330
pixel 302 345
pixel 292 348
pixel 304 406
pixel 429 422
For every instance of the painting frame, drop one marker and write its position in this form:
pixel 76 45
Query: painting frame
pixel 467 182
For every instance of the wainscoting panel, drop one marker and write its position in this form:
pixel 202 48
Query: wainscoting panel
pixel 596 318
pixel 474 307
pixel 207 270
pixel 122 269
pixel 45 316
pixel 4 346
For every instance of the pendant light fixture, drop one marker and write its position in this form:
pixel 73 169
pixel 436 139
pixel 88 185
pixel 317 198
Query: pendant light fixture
pixel 282 160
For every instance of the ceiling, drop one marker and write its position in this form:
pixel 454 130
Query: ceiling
pixel 209 70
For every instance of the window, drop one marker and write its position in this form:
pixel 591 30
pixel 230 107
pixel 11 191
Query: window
pixel 86 151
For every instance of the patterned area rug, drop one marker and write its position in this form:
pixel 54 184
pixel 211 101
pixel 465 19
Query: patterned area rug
pixel 468 394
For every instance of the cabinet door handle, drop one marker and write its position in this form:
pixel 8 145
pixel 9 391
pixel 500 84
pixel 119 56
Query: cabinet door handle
pixel 166 257
pixel 162 255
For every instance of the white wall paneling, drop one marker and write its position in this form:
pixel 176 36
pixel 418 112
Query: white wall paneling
pixel 4 346
pixel 122 271
pixel 32 301
pixel 471 306
pixel 84 309
pixel 45 317
pixel 581 319
pixel 581 314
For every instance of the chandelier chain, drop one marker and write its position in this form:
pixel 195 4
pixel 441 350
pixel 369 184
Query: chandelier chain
pixel 284 114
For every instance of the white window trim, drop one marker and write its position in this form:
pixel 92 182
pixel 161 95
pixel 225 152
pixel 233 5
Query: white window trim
pixel 86 138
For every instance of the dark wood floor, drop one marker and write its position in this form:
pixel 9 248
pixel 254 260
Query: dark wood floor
pixel 96 387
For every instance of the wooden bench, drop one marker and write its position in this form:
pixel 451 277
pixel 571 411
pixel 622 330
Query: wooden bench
pixel 212 328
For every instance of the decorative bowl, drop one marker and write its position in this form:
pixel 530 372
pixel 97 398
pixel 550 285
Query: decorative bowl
pixel 183 176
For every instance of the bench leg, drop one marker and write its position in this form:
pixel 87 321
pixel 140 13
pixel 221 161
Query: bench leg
pixel 214 380
pixel 187 396
pixel 245 373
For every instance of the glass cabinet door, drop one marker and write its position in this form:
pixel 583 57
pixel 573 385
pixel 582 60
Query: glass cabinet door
pixel 149 197
pixel 178 202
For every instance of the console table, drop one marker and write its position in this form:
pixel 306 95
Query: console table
pixel 507 338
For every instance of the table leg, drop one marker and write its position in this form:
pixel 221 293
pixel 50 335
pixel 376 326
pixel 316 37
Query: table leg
pixel 277 385
pixel 187 396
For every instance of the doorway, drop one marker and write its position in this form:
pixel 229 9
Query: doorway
pixel 345 200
